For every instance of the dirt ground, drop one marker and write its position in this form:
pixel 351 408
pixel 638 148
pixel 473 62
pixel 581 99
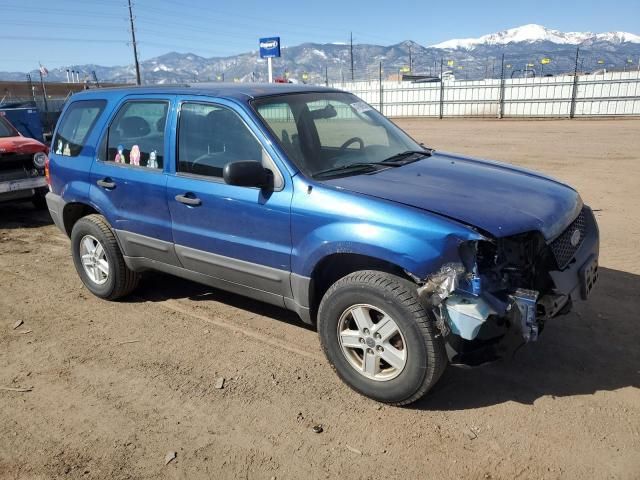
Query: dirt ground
pixel 116 386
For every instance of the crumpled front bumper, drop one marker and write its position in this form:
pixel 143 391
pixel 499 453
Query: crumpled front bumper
pixel 468 316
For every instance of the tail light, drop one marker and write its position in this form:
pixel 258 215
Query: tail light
pixel 47 175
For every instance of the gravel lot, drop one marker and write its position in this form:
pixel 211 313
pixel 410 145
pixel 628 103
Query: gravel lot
pixel 116 386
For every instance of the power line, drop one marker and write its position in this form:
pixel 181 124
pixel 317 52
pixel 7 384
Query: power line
pixel 61 39
pixel 48 12
pixel 248 21
pixel 257 21
pixel 84 26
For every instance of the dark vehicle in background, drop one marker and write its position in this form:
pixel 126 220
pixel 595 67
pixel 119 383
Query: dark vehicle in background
pixel 28 120
pixel 22 166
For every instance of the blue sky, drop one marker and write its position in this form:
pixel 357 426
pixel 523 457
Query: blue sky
pixel 66 32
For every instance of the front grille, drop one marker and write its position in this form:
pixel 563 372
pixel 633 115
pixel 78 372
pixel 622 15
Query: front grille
pixel 14 161
pixel 562 249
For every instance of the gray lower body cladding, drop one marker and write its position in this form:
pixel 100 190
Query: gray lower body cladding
pixel 266 284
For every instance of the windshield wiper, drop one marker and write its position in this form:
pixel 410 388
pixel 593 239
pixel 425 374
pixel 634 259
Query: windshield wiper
pixel 396 160
pixel 359 166
pixel 405 157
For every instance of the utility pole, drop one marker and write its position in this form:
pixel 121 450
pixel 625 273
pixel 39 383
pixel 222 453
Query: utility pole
pixel 381 90
pixel 135 46
pixel 441 87
pixel 574 90
pixel 351 51
pixel 410 61
pixel 501 106
pixel 326 75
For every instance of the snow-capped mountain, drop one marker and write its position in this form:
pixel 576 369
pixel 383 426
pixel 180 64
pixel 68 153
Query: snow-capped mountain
pixel 532 33
pixel 313 62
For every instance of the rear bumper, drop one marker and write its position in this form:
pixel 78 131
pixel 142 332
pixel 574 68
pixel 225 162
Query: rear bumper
pixel 56 204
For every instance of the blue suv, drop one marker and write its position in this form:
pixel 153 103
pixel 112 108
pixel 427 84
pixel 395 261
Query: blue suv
pixel 406 259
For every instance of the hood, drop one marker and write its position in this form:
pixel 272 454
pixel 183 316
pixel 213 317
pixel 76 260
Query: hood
pixel 496 198
pixel 21 145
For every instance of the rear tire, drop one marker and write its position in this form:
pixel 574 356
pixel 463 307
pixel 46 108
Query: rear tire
pixel 399 330
pixel 98 259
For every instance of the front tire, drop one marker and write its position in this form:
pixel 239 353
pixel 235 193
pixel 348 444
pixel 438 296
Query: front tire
pixel 98 260
pixel 379 338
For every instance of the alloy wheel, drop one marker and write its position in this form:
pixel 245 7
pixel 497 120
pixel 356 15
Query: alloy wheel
pixel 372 342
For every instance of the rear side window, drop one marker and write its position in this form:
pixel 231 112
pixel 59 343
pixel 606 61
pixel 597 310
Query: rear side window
pixel 136 135
pixel 76 125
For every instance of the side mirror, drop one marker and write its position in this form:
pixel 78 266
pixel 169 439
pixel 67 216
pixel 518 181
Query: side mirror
pixel 247 173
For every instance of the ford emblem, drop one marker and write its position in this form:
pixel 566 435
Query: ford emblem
pixel 575 237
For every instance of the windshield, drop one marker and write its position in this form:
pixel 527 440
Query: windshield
pixel 6 130
pixel 334 133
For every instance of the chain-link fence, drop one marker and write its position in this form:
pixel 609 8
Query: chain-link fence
pixel 572 94
pixel 512 61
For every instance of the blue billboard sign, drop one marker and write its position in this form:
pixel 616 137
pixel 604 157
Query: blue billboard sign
pixel 270 47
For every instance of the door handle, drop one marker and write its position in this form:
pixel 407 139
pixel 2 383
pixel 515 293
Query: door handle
pixel 106 183
pixel 191 201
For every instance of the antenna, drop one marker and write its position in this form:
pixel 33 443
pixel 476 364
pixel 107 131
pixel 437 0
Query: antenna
pixel 135 45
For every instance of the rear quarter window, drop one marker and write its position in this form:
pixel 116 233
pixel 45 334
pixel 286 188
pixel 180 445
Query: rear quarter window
pixel 75 126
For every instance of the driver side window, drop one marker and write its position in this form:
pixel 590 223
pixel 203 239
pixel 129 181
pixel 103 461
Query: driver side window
pixel 210 136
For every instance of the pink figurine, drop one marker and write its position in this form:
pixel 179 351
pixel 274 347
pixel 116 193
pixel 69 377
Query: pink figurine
pixel 134 156
pixel 120 158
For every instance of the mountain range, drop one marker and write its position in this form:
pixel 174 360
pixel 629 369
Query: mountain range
pixel 471 58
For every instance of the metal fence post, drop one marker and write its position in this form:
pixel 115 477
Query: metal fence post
pixel 381 90
pixel 501 106
pixel 32 91
pixel 44 94
pixel 574 90
pixel 441 87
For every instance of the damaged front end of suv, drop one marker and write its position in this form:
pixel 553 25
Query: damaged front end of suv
pixel 503 290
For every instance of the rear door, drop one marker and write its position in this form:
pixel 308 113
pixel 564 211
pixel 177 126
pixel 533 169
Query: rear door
pixel 241 235
pixel 128 178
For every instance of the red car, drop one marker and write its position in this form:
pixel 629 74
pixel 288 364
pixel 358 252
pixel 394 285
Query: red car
pixel 23 162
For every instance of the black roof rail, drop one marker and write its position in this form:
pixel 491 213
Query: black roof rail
pixel 153 86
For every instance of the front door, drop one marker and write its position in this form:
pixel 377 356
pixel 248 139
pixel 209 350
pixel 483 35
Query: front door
pixel 240 235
